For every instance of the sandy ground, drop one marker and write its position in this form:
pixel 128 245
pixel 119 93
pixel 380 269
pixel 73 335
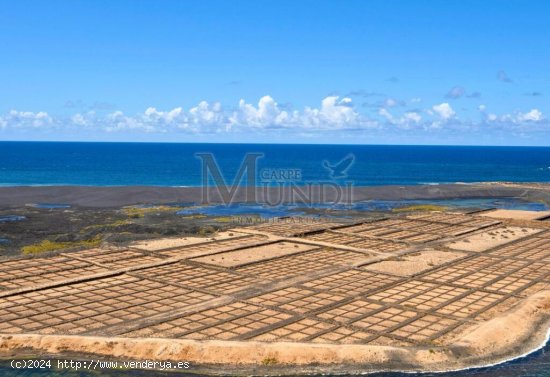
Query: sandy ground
pixel 512 333
pixel 516 214
pixel 166 243
pixel 508 329
pixel 255 254
pixel 491 238
pixel 414 263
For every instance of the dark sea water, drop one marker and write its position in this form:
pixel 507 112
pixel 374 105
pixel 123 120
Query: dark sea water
pixel 161 164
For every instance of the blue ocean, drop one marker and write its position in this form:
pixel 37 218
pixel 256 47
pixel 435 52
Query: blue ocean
pixel 176 164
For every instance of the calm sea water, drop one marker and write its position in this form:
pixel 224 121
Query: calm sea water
pixel 41 163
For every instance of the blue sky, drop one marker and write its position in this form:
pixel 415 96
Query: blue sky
pixel 369 72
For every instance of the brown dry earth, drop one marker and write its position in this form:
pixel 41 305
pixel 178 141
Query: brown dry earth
pixel 430 291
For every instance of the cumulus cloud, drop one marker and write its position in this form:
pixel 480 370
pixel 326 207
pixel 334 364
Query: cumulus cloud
pixel 535 115
pixel 532 117
pixel 333 114
pixel 408 120
pixel 413 116
pixel 488 117
pixel 25 119
pixel 444 110
pixel 266 114
pixel 206 114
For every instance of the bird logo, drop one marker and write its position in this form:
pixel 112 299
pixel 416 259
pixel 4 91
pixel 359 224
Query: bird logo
pixel 339 169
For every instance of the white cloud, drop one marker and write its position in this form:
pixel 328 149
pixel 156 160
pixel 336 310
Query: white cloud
pixel 205 114
pixel 489 117
pixel 78 119
pixel 534 115
pixel 26 119
pixel 154 116
pixel 444 110
pixel 413 116
pixel 407 120
pixel 333 114
pixel 386 114
pixel 266 115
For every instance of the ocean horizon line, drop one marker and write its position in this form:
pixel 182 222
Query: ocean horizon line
pixel 271 143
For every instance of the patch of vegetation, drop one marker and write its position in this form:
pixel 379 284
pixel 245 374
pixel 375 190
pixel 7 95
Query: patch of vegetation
pixel 195 216
pixel 269 360
pixel 138 212
pixel 420 207
pixel 114 224
pixel 47 245
pixel 223 219
pixel 206 231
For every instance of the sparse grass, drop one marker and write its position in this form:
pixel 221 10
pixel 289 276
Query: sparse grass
pixel 223 219
pixel 196 216
pixel 114 224
pixel 138 212
pixel 206 231
pixel 420 207
pixel 269 360
pixel 47 245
